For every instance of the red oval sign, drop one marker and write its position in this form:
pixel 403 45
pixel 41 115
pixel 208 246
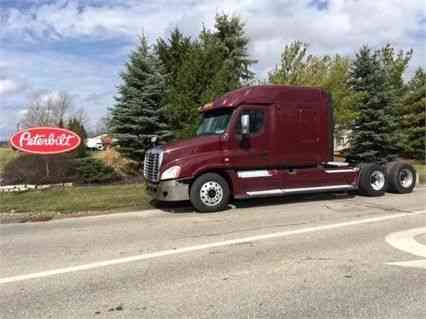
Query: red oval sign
pixel 45 140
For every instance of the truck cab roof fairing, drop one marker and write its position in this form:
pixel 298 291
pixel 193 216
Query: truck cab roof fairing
pixel 261 95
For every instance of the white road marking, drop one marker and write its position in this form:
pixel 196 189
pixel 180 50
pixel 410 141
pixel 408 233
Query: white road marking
pixel 406 242
pixel 420 263
pixel 230 242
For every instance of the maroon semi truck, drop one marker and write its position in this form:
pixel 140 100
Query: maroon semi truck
pixel 264 141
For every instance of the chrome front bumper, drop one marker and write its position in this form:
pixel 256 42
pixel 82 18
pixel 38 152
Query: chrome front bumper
pixel 169 191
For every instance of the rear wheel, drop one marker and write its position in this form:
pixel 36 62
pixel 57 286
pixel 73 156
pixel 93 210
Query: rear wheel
pixel 372 180
pixel 401 176
pixel 210 193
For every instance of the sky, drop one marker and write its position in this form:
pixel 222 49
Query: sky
pixel 80 46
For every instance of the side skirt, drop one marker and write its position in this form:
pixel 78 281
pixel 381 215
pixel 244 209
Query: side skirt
pixel 301 190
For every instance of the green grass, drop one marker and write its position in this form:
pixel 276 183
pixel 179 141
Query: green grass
pixel 76 200
pixel 6 154
pixel 421 172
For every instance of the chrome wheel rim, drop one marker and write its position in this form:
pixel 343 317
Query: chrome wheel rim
pixel 406 178
pixel 377 180
pixel 211 193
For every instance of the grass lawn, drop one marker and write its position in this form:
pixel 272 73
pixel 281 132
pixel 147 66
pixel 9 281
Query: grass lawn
pixel 6 154
pixel 76 200
pixel 421 171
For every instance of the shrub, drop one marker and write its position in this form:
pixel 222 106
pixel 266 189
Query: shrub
pixel 121 165
pixel 6 155
pixel 37 169
pixel 94 171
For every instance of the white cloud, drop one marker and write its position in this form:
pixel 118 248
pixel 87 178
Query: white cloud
pixel 71 20
pixel 388 18
pixel 343 26
pixel 8 87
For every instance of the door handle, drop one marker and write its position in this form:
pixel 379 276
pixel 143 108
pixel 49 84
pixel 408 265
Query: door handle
pixel 292 171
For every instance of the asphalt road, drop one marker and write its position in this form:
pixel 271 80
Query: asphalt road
pixel 327 256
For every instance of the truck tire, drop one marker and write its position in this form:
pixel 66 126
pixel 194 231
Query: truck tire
pixel 210 193
pixel 401 177
pixel 372 180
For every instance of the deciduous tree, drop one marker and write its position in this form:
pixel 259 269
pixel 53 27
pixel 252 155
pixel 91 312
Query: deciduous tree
pixel 48 109
pixel 332 73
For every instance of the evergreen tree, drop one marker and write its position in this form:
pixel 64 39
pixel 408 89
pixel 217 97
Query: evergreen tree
pixel 373 133
pixel 394 65
pixel 75 125
pixel 218 75
pixel 413 117
pixel 177 56
pixel 139 113
pixel 172 53
pixel 192 86
pixel 213 64
pixel 233 39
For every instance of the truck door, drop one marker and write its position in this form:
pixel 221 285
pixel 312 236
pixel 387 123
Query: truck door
pixel 251 157
pixel 252 152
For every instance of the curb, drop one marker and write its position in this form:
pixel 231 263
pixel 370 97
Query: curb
pixel 22 218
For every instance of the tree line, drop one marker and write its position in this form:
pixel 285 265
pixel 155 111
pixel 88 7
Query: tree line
pixel 164 84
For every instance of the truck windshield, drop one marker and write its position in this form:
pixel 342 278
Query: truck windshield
pixel 214 123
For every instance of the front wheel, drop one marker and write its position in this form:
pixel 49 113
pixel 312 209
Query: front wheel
pixel 210 193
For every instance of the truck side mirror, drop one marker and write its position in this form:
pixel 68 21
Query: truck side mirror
pixel 245 124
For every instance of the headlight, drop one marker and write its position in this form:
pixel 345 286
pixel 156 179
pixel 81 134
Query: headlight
pixel 171 173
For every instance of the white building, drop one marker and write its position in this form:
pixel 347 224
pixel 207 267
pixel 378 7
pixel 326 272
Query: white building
pixel 342 140
pixel 95 143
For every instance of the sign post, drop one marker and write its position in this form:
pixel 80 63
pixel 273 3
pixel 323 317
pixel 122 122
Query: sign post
pixel 45 141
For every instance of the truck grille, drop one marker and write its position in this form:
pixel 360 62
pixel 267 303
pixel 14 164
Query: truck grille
pixel 152 164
